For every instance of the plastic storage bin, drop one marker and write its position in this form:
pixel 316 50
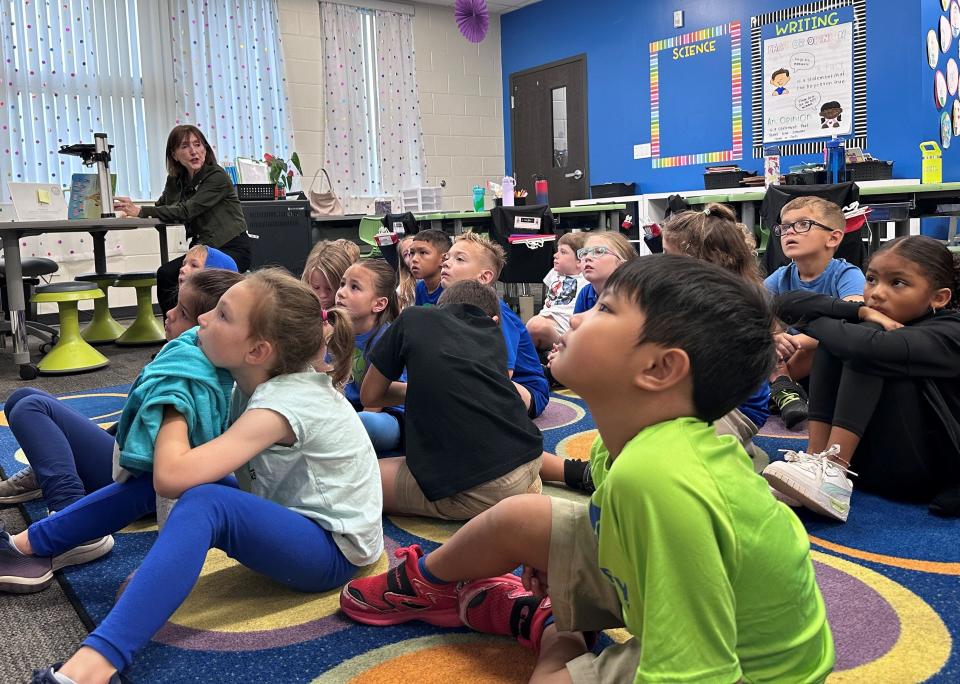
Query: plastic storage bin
pixel 613 190
pixel 249 192
pixel 724 179
pixel 421 199
pixel 870 170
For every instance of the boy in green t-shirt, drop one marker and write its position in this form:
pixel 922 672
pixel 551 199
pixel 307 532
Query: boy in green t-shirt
pixel 681 542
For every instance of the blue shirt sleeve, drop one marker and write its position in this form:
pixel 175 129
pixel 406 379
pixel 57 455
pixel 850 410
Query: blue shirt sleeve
pixel 772 281
pixel 586 298
pixel 511 336
pixel 850 282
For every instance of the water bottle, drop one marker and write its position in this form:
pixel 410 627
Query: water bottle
pixel 771 166
pixel 508 185
pixel 541 189
pixel 835 156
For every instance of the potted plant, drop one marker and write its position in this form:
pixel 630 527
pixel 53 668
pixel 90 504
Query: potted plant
pixel 281 175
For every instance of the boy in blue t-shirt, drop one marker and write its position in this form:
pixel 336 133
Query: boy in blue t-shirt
pixel 810 230
pixel 682 543
pixel 473 258
pixel 426 255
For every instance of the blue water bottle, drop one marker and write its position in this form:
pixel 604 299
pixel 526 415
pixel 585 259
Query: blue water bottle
pixel 836 160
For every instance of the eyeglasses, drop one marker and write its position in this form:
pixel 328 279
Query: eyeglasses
pixel 798 227
pixel 598 251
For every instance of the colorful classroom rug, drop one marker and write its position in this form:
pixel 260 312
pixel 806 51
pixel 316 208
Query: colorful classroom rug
pixel 889 577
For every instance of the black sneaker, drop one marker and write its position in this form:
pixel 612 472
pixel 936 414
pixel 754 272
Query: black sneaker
pixel 578 475
pixel 790 400
pixel 20 574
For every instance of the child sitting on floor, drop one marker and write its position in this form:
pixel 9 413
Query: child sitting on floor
pixel 474 258
pixel 710 235
pixel 810 231
pixel 69 455
pixel 682 543
pixel 601 255
pixel 200 257
pixel 884 398
pixel 307 512
pixel 325 266
pixel 368 292
pixel 562 285
pixel 469 441
pixel 426 255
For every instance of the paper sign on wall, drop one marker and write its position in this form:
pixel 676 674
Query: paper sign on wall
pixel 808 76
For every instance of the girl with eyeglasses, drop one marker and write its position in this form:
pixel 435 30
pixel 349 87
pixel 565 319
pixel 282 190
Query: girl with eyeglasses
pixel 601 255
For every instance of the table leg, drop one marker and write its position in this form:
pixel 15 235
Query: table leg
pixel 14 276
pixel 748 213
pixel 602 217
pixel 165 251
pixel 99 251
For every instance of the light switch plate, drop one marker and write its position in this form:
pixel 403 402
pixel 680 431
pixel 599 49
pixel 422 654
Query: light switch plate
pixel 641 151
pixel 678 19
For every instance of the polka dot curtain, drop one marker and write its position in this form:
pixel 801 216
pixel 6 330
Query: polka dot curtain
pixel 373 141
pixel 228 75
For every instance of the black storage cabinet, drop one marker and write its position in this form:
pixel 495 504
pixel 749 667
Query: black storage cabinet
pixel 280 232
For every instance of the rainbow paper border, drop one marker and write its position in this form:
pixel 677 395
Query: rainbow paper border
pixel 736 152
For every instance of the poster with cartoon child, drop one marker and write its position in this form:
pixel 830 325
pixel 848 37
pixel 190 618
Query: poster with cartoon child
pixel 814 54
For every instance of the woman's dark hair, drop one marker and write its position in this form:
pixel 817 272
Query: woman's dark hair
pixel 208 287
pixel 176 138
pixel 721 320
pixel 937 263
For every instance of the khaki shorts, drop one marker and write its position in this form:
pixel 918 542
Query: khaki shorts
pixel 737 424
pixel 583 599
pixel 468 504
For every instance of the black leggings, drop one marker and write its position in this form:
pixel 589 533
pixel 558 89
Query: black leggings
pixel 901 454
pixel 168 274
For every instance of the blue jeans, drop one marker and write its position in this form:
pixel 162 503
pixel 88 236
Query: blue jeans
pixel 70 455
pixel 383 429
pixel 266 537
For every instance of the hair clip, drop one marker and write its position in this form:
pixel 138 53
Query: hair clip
pixel 706 212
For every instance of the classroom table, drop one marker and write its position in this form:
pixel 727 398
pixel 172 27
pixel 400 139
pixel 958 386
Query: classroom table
pixel 602 211
pixel 894 201
pixel 12 231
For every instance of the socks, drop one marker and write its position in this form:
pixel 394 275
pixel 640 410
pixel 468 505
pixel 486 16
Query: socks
pixel 426 574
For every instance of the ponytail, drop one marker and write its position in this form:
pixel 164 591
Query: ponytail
pixel 338 338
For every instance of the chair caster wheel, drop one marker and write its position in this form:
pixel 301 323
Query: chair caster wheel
pixel 28 371
pixel 45 347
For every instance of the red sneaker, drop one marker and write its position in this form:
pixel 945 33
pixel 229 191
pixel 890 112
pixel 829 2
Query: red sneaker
pixel 401 594
pixel 500 605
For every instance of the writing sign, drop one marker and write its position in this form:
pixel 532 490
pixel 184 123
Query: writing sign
pixel 808 76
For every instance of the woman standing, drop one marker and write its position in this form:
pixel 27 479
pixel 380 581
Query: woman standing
pixel 200 195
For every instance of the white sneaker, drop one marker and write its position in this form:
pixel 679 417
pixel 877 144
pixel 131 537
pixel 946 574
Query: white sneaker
pixel 814 480
pixel 780 496
pixel 84 553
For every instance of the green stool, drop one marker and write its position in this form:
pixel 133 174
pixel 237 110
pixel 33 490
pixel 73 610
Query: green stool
pixel 145 329
pixel 71 353
pixel 102 328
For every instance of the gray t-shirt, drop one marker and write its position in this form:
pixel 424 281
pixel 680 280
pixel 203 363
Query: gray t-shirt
pixel 330 474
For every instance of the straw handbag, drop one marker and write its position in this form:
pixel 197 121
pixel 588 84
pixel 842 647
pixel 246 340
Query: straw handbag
pixel 324 203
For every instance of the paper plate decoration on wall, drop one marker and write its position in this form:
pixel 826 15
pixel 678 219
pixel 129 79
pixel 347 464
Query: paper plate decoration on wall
pixel 474 19
pixel 956 117
pixel 955 18
pixel 946 130
pixel 933 49
pixel 953 75
pixel 946 34
pixel 940 89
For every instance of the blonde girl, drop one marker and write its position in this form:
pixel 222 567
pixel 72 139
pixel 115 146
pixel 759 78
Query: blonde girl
pixel 325 266
pixel 603 253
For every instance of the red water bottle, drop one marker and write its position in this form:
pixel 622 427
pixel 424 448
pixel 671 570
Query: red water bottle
pixel 540 189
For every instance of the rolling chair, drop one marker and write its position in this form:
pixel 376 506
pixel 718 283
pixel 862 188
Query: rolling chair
pixel 34 270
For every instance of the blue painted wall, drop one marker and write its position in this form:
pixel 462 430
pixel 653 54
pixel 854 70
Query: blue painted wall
pixel 615 36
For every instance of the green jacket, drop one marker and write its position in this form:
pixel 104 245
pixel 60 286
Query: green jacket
pixel 207 205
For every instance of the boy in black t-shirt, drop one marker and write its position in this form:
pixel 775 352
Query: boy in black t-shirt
pixel 469 441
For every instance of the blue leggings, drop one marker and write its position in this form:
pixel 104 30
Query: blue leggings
pixel 70 455
pixel 262 535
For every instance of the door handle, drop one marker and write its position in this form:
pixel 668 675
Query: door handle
pixel 576 175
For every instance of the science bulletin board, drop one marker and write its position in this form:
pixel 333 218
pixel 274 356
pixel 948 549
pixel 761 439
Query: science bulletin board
pixel 695 80
pixel 812 82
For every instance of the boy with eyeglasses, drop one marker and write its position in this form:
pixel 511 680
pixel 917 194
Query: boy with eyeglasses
pixel 810 230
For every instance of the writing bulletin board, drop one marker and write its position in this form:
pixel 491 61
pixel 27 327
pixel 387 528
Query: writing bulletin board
pixel 812 83
pixel 695 78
